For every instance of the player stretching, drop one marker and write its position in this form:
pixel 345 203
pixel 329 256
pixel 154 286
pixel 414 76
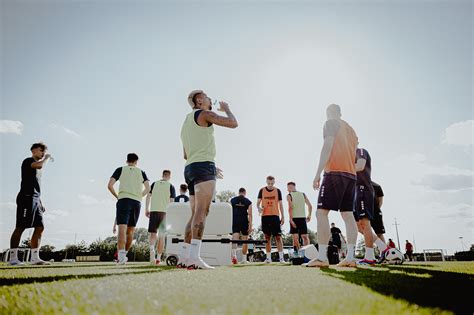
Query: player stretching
pixel 132 179
pixel 241 222
pixel 298 218
pixel 270 207
pixel 336 192
pixel 197 136
pixel 161 194
pixel 29 208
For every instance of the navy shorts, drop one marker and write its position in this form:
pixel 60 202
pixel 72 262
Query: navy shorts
pixel 241 227
pixel 199 172
pixel 301 226
pixel 271 225
pixel 128 211
pixel 157 222
pixel 337 192
pixel 364 203
pixel 377 222
pixel 29 211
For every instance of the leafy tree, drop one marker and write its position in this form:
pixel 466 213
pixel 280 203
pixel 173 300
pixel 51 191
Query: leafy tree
pixel 26 243
pixel 47 249
pixel 141 235
pixel 225 195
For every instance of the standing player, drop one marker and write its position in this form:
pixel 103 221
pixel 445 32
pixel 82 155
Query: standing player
pixel 241 222
pixel 296 208
pixel 377 221
pixel 336 236
pixel 409 250
pixel 271 208
pixel 197 136
pixel 183 188
pixel 131 191
pixel 161 193
pixel 364 205
pixel 29 208
pixel 337 159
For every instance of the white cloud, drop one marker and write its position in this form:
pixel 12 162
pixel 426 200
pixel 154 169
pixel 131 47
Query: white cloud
pixel 451 182
pixel 459 133
pixel 89 200
pixel 11 126
pixel 66 130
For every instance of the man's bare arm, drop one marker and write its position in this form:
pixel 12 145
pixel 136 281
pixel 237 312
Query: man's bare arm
pixel 184 154
pixel 310 207
pixel 147 188
pixel 290 207
pixel 39 164
pixel 249 212
pixel 380 202
pixel 210 117
pixel 110 186
pixel 282 219
pixel 323 159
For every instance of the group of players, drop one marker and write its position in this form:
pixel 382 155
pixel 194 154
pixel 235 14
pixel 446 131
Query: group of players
pixel 346 187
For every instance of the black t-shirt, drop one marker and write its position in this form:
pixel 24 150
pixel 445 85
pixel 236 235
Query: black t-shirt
pixel 363 177
pixel 335 233
pixel 378 193
pixel 30 178
pixel 260 192
pixel 240 205
pixel 184 198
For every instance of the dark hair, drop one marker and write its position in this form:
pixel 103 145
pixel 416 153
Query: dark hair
pixel 183 187
pixel 242 190
pixel 270 177
pixel 166 172
pixel 40 145
pixel 194 98
pixel 291 183
pixel 132 157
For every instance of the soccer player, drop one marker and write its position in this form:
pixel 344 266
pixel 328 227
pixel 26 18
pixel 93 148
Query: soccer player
pixel 241 222
pixel 29 208
pixel 377 221
pixel 197 136
pixel 134 185
pixel 183 188
pixel 270 206
pixel 297 202
pixel 336 236
pixel 336 192
pixel 364 205
pixel 391 244
pixel 162 192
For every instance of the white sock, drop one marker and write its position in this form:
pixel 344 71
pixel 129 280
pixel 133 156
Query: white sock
pixel 350 252
pixel 323 252
pixel 380 244
pixel 269 255
pixel 369 253
pixel 35 254
pixel 234 252
pixel 13 254
pixel 281 255
pixel 195 249
pixel 152 251
pixel 244 257
pixel 185 249
pixel 122 253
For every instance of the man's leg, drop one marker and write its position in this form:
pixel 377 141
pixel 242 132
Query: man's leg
pixel 305 239
pixel 186 246
pixel 351 231
pixel 203 196
pixel 161 244
pixel 322 216
pixel 296 241
pixel 279 243
pixel 381 237
pixel 121 239
pixel 364 225
pixel 235 236
pixel 35 244
pixel 153 245
pixel 130 231
pixel 268 247
pixel 245 248
pixel 14 243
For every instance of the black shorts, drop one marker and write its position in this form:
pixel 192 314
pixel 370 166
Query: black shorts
pixel 301 226
pixel 199 172
pixel 241 227
pixel 377 222
pixel 337 192
pixel 128 211
pixel 336 242
pixel 157 222
pixel 364 203
pixel 29 211
pixel 271 225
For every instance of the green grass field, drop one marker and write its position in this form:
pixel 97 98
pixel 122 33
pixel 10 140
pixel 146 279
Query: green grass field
pixel 138 288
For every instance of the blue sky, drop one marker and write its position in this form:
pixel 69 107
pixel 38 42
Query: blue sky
pixel 96 80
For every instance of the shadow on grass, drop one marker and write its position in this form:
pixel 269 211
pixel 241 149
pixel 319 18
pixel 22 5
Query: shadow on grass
pixel 51 278
pixel 425 287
